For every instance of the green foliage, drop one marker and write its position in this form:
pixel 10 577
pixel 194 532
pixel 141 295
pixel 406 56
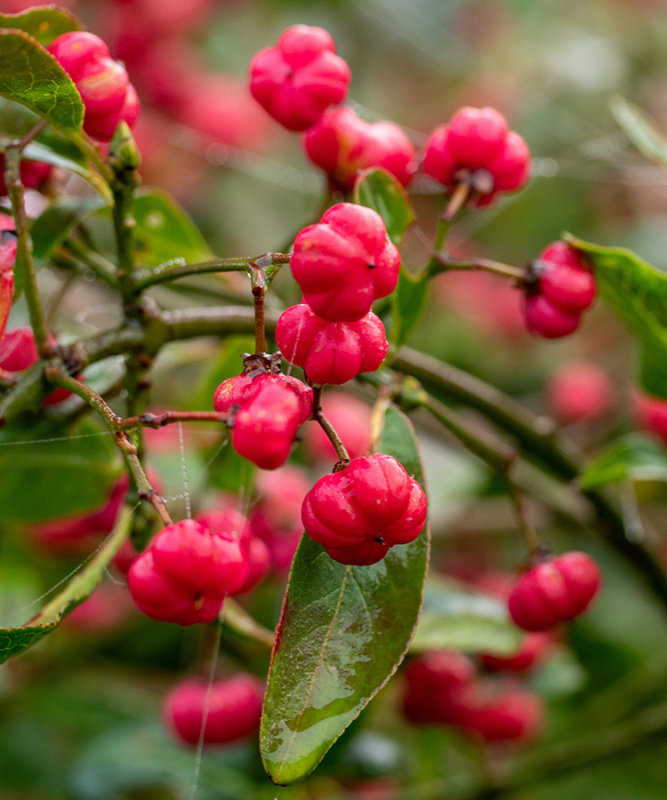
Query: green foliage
pixel 43 24
pixel 41 83
pixel 380 191
pixel 407 305
pixel 69 469
pixel 637 293
pixel 640 130
pixel 631 457
pixel 55 224
pixel 343 632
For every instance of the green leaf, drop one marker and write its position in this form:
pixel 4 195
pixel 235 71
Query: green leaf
pixel 380 191
pixel 15 640
pixel 463 620
pixel 43 24
pixel 637 293
pixel 63 153
pixel 50 472
pixel 407 305
pixel 31 76
pixel 165 233
pixel 640 130
pixel 343 632
pixel 632 456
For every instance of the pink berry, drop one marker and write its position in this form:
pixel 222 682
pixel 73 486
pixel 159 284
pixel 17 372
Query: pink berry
pixel 299 78
pixel 352 420
pixel 358 513
pixel 565 278
pixel 510 715
pixel 102 85
pixel 548 320
pixel 345 262
pixel 343 145
pixel 331 352
pixel 553 591
pixel 227 711
pixel 268 411
pixel 651 414
pixel 437 684
pixel 34 175
pixel 477 144
pixel 579 391
pixel 76 50
pixel 8 248
pixel 104 126
pixel 186 571
pixel 18 351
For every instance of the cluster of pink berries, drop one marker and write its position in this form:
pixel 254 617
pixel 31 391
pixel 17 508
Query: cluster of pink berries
pixel 301 81
pixel 104 86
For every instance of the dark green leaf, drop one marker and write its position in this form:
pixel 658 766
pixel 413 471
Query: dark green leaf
pixel 31 76
pixel 632 456
pixel 462 620
pixel 43 24
pixel 380 191
pixel 637 293
pixel 15 640
pixel 640 130
pixel 408 302
pixel 63 153
pixel 165 233
pixel 343 632
pixel 50 472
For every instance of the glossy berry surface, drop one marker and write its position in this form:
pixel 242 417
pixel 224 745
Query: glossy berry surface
pixel 342 145
pixel 300 77
pixel 345 262
pixel 331 352
pixel 478 146
pixel 104 86
pixel 553 591
pixel 579 391
pixel 227 711
pixel 358 513
pixel 185 573
pixel 268 411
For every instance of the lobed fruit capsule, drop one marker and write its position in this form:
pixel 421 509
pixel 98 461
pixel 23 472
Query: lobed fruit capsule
pixel 331 352
pixel 504 715
pixel 345 262
pixel 187 570
pixel 553 591
pixel 563 288
pixel 343 145
pixel 358 513
pixel 300 77
pixel 104 86
pixel 477 146
pixel 224 712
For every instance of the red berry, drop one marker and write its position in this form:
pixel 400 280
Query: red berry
pixel 651 413
pixel 358 513
pixel 77 49
pixel 186 571
pixel 18 351
pixel 342 145
pixel 228 710
pixel 553 591
pixel 8 246
pixel 104 126
pixel 268 411
pixel 477 144
pixel 345 262
pixel 548 320
pixel 352 420
pixel 33 176
pixel 437 684
pixel 578 391
pixel 511 715
pixel 565 278
pixel 331 352
pixel 102 85
pixel 532 650
pixel 299 78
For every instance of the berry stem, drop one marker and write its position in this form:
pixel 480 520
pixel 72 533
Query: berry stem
pixel 328 428
pixel 443 262
pixel 527 528
pixel 24 259
pixel 258 278
pixel 238 619
pixel 102 268
pixel 457 200
pixel 157 421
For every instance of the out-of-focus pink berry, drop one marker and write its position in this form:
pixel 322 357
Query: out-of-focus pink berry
pixel 579 391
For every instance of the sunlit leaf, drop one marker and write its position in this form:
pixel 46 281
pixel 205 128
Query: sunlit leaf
pixel 631 457
pixel 380 191
pixel 43 24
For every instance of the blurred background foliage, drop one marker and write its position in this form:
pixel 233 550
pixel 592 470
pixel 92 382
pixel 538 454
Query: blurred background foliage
pixel 79 714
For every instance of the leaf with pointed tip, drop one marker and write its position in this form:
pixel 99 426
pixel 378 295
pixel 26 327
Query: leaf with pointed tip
pixel 31 76
pixel 464 620
pixel 16 640
pixel 380 191
pixel 342 634
pixel 43 24
pixel 640 130
pixel 637 293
